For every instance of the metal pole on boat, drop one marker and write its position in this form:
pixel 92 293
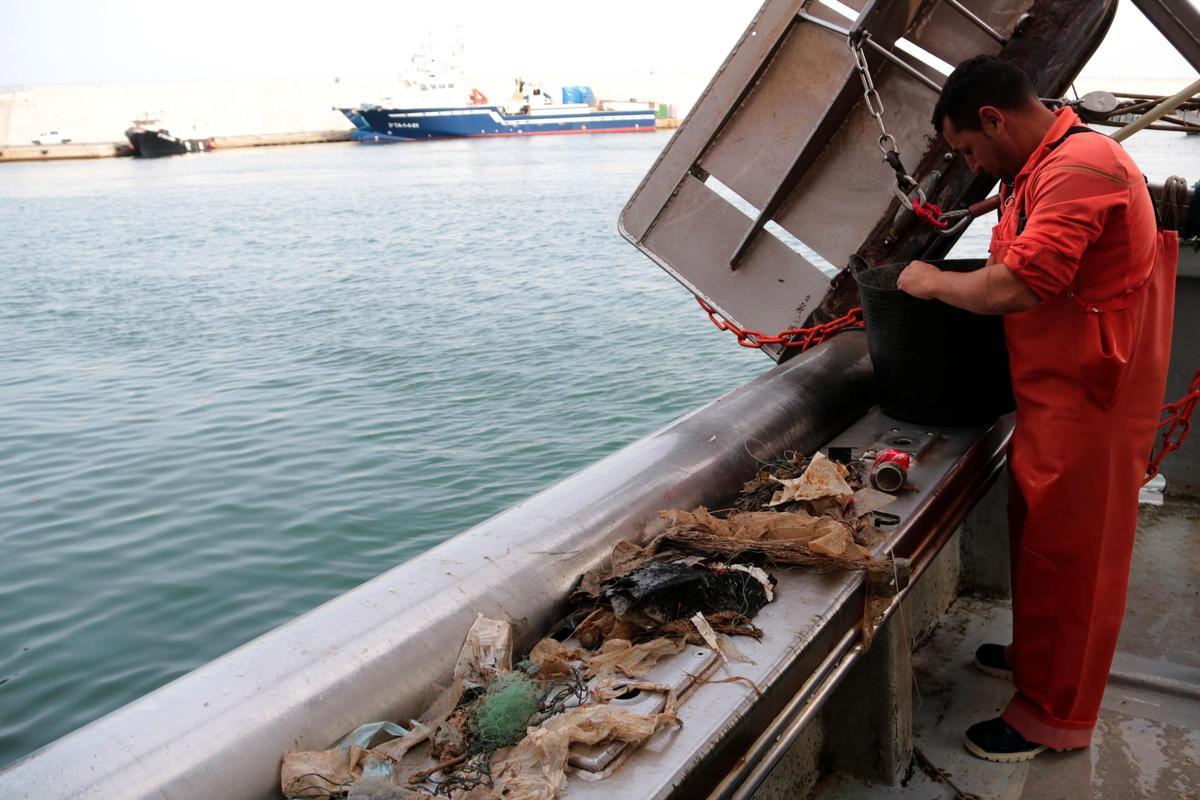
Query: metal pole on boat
pixel 1159 111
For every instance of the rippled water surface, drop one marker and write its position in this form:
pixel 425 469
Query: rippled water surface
pixel 237 384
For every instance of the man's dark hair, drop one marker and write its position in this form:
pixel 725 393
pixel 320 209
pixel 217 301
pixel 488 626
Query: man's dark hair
pixel 977 82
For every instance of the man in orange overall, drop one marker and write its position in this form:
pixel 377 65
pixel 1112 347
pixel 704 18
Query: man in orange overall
pixel 1079 271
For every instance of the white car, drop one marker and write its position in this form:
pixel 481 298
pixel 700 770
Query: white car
pixel 52 137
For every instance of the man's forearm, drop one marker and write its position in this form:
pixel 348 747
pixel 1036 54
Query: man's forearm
pixel 990 290
pixel 967 290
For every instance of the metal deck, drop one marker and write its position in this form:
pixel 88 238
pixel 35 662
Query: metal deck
pixel 811 633
pixel 1147 744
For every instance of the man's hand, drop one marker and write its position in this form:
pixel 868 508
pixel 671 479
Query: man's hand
pixel 920 280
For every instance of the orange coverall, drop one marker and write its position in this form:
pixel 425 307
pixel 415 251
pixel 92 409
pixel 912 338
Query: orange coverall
pixel 1089 367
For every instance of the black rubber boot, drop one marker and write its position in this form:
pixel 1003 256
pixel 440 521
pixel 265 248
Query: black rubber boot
pixel 989 658
pixel 996 740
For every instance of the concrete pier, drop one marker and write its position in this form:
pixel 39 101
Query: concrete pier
pixel 69 152
pixel 63 152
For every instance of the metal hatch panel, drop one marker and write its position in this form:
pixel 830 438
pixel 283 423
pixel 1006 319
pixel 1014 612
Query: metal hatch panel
pixel 811 88
pixel 698 229
pixel 767 124
pixel 849 188
pixel 784 127
pixel 693 136
pixel 953 38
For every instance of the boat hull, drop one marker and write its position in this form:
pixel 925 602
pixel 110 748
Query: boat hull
pixel 154 144
pixel 406 125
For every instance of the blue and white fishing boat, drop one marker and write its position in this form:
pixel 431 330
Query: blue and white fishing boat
pixel 532 115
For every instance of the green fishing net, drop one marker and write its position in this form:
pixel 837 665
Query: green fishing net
pixel 500 717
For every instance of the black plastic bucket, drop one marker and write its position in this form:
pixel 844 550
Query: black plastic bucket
pixel 933 363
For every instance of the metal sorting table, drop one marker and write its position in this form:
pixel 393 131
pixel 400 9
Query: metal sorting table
pixel 810 630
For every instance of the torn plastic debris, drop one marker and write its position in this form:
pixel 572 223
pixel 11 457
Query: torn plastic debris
pixel 822 479
pixel 708 634
pixel 760 575
pixel 601 625
pixel 755 526
pixel 367 788
pixel 631 660
pixel 552 658
pixel 839 543
pixel 534 768
pixel 487 651
pixel 689 532
pixel 318 773
pixel 665 591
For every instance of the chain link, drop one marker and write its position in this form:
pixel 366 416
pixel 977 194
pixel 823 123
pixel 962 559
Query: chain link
pixel 803 338
pixel 887 142
pixel 1177 419
pixel 908 190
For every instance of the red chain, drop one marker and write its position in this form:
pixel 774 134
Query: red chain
pixel 803 338
pixel 1177 419
pixel 930 214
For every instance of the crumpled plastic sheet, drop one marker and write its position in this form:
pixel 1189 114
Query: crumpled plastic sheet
pixel 765 526
pixel 823 478
pixel 839 543
pixel 834 546
pixel 533 769
pixel 317 773
pixel 601 625
pixel 553 658
pixel 487 651
pixel 631 660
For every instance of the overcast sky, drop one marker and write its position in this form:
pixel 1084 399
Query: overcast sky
pixel 106 41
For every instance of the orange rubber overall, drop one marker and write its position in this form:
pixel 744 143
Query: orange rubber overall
pixel 1089 368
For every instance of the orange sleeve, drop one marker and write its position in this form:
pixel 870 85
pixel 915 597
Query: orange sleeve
pixel 1067 208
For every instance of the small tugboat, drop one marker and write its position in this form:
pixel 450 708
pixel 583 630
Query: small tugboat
pixel 149 140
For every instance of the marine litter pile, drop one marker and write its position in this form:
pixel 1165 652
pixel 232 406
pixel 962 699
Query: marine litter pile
pixel 505 730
